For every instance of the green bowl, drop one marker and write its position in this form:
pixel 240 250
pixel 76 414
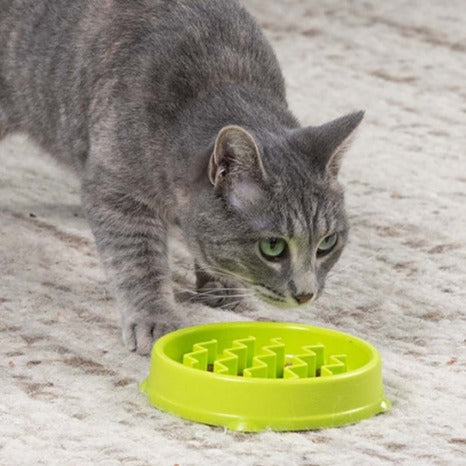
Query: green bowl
pixel 251 376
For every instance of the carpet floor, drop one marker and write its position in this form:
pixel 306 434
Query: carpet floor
pixel 69 389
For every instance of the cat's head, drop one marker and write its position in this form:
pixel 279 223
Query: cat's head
pixel 273 217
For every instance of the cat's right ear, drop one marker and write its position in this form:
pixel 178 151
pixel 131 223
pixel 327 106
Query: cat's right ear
pixel 326 144
pixel 235 159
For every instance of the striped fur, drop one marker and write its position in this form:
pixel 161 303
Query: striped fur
pixel 133 96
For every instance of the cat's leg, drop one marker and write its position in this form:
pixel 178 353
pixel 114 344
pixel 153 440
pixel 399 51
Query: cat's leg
pixel 131 238
pixel 3 116
pixel 3 125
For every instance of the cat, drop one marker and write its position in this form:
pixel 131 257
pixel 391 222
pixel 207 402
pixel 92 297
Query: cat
pixel 173 112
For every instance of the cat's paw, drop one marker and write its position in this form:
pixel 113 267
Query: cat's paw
pixel 216 294
pixel 142 329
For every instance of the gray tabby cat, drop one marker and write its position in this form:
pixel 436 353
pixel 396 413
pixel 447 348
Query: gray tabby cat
pixel 174 112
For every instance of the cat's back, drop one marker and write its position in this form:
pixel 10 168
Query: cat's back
pixel 197 45
pixel 182 48
pixel 194 42
pixel 57 55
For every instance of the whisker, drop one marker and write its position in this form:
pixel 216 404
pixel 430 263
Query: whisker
pixel 215 271
pixel 226 289
pixel 244 295
pixel 217 291
pixel 227 297
pixel 230 304
pixel 211 290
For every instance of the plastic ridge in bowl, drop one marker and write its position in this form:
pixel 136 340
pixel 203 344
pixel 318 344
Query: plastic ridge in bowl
pixel 268 362
pixel 251 376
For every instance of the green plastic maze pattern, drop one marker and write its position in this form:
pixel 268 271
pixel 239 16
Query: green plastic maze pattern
pixel 269 361
pixel 251 376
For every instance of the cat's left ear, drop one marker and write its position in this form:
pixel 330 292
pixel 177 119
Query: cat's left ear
pixel 327 143
pixel 235 158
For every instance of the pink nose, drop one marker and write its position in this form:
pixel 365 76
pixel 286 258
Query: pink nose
pixel 303 298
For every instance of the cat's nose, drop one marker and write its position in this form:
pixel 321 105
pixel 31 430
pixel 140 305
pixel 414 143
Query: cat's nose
pixel 303 298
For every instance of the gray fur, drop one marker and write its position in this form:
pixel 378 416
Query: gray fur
pixel 134 95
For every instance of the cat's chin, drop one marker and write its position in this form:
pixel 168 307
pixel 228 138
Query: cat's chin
pixel 276 303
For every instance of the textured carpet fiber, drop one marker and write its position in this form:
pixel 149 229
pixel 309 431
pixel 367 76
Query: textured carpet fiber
pixel 68 387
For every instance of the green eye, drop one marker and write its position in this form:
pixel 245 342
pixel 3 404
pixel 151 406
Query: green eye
pixel 272 248
pixel 327 244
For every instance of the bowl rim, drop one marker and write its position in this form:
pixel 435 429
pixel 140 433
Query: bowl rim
pixel 158 352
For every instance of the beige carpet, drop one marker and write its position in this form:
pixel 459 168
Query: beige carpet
pixel 69 389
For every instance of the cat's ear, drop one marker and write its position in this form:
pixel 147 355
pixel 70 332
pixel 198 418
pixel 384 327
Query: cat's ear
pixel 235 157
pixel 327 143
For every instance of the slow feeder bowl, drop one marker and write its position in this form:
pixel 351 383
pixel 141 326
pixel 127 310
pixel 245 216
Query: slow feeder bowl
pixel 250 376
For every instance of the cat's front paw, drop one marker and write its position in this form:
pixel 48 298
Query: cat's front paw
pixel 140 330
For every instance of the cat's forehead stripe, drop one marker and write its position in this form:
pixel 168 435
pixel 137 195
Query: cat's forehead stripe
pixel 299 217
pixel 289 225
